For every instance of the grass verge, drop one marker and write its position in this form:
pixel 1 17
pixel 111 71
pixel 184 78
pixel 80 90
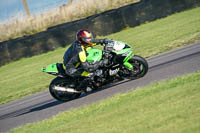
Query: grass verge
pixel 167 106
pixel 24 77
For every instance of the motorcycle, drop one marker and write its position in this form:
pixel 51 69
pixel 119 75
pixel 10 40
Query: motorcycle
pixel 122 64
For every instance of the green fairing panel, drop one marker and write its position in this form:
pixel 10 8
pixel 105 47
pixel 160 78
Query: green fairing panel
pixel 52 68
pixel 94 55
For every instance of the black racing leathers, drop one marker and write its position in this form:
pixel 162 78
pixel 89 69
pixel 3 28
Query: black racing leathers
pixel 77 53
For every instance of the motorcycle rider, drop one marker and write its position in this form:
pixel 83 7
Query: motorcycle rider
pixel 76 54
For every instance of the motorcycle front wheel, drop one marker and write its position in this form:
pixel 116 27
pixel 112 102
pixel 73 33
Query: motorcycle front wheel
pixel 60 95
pixel 140 67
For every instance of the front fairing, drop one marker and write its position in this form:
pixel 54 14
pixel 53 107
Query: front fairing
pixel 123 52
pixel 118 48
pixel 122 49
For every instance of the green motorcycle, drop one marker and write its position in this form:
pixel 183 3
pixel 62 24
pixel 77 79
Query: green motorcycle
pixel 123 64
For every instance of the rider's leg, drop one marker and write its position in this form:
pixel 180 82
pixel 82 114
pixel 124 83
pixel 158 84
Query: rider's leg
pixel 77 73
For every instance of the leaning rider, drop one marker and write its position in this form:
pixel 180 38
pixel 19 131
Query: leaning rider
pixel 77 53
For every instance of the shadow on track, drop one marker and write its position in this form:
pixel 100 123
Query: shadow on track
pixel 36 107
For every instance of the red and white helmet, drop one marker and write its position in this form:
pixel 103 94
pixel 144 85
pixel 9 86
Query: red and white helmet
pixel 84 37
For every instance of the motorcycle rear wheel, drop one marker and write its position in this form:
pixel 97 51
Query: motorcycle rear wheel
pixel 140 67
pixel 60 95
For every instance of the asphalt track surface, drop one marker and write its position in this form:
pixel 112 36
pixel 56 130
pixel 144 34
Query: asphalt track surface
pixel 42 106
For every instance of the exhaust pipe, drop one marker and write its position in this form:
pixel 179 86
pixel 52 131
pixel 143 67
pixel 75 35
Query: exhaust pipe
pixel 58 88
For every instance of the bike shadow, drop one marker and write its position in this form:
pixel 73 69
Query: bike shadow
pixel 31 109
pixel 55 102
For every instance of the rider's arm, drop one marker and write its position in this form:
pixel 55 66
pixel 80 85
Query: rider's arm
pixel 101 41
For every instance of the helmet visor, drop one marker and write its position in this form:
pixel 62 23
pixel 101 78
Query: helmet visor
pixel 87 40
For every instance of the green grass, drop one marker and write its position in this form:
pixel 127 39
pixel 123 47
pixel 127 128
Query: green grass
pixel 171 106
pixel 24 77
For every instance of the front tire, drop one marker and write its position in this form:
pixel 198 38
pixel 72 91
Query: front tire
pixel 140 67
pixel 60 95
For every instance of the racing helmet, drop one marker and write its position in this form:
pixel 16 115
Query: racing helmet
pixel 84 37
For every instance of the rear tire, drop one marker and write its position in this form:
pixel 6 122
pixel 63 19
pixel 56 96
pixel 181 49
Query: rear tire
pixel 140 67
pixel 60 95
